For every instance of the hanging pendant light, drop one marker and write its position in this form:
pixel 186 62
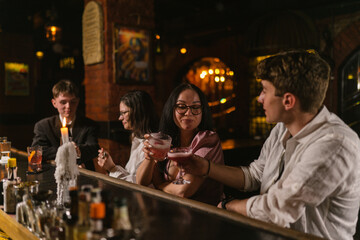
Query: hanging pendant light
pixel 52 28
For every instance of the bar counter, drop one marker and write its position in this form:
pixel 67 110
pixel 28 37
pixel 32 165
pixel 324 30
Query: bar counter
pixel 155 214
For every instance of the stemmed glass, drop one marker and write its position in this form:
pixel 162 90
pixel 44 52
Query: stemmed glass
pixel 180 155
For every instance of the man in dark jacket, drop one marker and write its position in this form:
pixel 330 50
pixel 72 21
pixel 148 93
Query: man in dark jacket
pixel 83 131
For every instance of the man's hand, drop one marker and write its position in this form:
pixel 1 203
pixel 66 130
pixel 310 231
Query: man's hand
pixel 197 165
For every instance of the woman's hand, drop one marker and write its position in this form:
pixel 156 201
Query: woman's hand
pixel 147 151
pixel 105 161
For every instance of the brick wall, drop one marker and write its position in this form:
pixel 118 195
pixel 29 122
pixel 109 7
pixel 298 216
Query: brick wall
pixel 102 94
pixel 345 31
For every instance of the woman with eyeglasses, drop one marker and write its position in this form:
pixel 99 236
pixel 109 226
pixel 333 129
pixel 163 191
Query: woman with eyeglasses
pixel 187 119
pixel 138 115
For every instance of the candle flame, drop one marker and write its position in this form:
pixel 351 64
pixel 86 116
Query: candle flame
pixel 64 122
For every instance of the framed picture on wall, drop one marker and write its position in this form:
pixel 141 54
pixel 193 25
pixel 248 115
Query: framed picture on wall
pixel 132 55
pixel 16 79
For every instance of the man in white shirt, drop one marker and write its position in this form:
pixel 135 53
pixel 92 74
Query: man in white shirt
pixel 308 170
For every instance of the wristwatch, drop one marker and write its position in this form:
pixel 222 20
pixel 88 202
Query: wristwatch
pixel 225 201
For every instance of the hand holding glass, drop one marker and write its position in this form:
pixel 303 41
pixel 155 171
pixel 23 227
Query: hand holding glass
pixel 34 159
pixel 180 155
pixel 160 145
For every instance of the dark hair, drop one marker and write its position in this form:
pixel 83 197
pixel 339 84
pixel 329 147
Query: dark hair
pixel 302 73
pixel 167 124
pixel 65 86
pixel 142 114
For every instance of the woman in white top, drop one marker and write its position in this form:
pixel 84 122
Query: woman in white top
pixel 138 115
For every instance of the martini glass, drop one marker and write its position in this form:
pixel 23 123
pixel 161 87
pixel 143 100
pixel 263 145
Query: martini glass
pixel 180 155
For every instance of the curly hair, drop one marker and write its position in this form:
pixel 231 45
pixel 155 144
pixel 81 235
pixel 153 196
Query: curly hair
pixel 302 73
pixel 142 115
pixel 167 123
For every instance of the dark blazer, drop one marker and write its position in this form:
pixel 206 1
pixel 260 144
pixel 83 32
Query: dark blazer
pixel 84 133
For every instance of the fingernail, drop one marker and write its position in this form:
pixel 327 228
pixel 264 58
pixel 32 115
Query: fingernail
pixel 149 146
pixel 151 153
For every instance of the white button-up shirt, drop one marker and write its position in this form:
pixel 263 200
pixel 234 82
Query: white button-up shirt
pixel 319 190
pixel 136 158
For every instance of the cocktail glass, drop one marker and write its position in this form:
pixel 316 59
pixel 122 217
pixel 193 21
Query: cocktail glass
pixel 34 159
pixel 160 143
pixel 180 155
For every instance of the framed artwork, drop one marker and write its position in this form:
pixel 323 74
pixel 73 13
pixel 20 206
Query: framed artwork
pixel 132 55
pixel 16 79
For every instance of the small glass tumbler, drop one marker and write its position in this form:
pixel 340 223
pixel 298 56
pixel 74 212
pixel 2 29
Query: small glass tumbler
pixel 34 159
pixel 5 151
pixel 160 145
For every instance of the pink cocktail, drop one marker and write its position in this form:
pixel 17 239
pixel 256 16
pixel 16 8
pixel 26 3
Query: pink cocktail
pixel 180 155
pixel 160 145
pixel 159 152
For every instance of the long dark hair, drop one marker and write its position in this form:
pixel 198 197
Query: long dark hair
pixel 167 123
pixel 142 115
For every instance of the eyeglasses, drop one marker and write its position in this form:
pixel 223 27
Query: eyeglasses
pixel 123 113
pixel 182 109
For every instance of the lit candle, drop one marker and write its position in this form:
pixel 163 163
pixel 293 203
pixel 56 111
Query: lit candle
pixel 64 132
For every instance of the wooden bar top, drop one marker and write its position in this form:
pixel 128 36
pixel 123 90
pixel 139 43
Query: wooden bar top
pixel 158 215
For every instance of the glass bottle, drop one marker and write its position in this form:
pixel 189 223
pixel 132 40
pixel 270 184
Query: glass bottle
pixel 121 220
pixel 97 215
pixel 8 187
pixel 84 215
pixel 71 217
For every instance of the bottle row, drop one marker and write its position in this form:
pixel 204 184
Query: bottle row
pixel 87 214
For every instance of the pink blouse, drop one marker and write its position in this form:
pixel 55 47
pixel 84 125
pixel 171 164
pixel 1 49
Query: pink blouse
pixel 207 144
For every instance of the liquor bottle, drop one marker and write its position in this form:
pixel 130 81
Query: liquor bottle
pixel 121 221
pixel 8 187
pixel 71 217
pixel 108 209
pixel 97 215
pixel 57 229
pixel 83 226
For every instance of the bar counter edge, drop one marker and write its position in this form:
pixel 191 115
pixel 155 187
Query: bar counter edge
pixel 17 231
pixel 231 216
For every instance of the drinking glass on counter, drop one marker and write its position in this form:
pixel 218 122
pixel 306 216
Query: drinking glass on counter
pixel 180 155
pixel 34 159
pixel 160 143
pixel 5 151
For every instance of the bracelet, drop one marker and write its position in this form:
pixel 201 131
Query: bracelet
pixel 208 171
pixel 225 201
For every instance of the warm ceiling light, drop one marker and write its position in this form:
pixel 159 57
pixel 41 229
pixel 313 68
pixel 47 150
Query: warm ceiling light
pixel 211 71
pixel 217 71
pixel 183 50
pixel 217 79
pixel 53 33
pixel 157 36
pixel 39 54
